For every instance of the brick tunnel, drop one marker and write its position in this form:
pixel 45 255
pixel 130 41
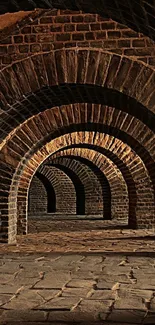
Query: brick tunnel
pixel 77 89
pixel 77 115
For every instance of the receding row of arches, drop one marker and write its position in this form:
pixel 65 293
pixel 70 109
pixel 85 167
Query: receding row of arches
pixel 88 125
pixel 98 189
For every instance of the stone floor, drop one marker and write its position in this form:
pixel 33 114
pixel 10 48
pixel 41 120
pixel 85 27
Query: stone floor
pixel 78 273
pixel 82 236
pixel 76 289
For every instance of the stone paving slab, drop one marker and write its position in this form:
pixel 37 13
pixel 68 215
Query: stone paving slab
pixel 77 289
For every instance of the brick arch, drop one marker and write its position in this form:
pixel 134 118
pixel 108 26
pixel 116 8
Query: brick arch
pixel 126 128
pixel 15 158
pixel 116 182
pixel 85 149
pixel 93 190
pixel 147 219
pixel 137 15
pixel 64 188
pixel 75 75
pixel 106 193
pixel 76 181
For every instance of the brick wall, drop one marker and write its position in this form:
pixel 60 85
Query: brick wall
pixel 92 187
pixel 37 203
pixel 64 29
pixel 64 189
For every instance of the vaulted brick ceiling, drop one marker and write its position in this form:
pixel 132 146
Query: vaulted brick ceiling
pixel 139 15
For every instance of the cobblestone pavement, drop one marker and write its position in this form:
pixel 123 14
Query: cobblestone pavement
pixel 78 272
pixel 61 289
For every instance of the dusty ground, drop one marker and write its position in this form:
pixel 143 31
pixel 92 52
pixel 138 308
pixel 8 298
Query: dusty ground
pixel 82 236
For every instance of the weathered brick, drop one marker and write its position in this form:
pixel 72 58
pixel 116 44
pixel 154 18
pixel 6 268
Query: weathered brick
pixel 24 48
pixel 30 38
pixel 3 49
pixel 124 43
pixel 63 37
pixel 138 43
pixel 101 35
pixel 90 36
pixel 77 37
pixel 96 26
pixel 114 34
pixel 18 39
pixel 46 20
pixel 69 27
pixel 56 28
pixel 77 19
pixel 41 29
pixel 26 30
pixel 83 27
pixel 62 19
pixel 35 48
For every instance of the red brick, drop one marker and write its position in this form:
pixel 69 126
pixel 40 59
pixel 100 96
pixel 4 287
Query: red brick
pixel 6 59
pixel 3 49
pixel 90 36
pixel 18 39
pixel 26 30
pixel 114 34
pixel 83 27
pixel 30 38
pixel 41 29
pixel 124 43
pixel 90 18
pixel 35 48
pixel 56 28
pixel 62 19
pixel 96 26
pixel 23 48
pixel 46 20
pixel 78 37
pixel 101 35
pixel 46 47
pixel 45 38
pixel 7 40
pixel 77 19
pixel 108 25
pixel 69 27
pixel 110 44
pixel 138 43
pixel 63 37
pixel 13 49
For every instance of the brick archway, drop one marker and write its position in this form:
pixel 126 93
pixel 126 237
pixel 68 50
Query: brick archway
pixel 78 186
pixel 45 80
pixel 118 133
pixel 147 221
pixel 92 186
pixel 106 193
pixel 75 75
pixel 118 200
pixel 63 186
